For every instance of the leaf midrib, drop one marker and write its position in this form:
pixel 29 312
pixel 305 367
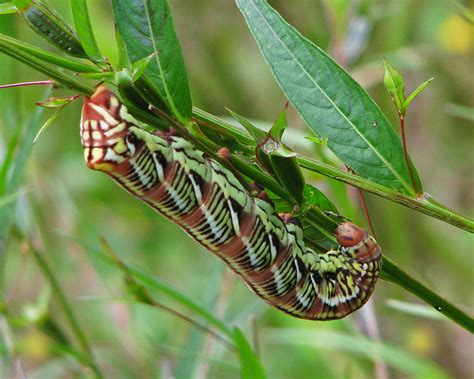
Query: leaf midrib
pixel 394 172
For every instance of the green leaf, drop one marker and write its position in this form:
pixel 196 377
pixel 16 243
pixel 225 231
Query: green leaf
pixel 289 174
pixel 48 56
pixel 420 88
pixel 251 367
pixel 147 28
pixel 14 164
pixel 140 66
pixel 257 133
pixel 278 128
pixel 318 140
pixel 84 30
pixel 329 100
pixel 315 198
pixel 64 306
pixel 394 84
pixel 122 60
pixel 48 122
pixel 57 102
pixel 7 8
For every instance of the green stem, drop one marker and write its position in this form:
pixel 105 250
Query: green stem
pixel 392 273
pixel 46 68
pixel 424 204
pixel 48 56
pixel 80 335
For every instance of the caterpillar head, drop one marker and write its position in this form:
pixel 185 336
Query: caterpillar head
pixel 104 131
pixel 358 241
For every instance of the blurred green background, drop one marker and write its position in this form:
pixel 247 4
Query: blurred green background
pixel 66 208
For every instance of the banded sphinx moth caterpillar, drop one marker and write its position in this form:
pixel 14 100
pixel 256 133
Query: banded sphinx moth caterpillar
pixel 205 199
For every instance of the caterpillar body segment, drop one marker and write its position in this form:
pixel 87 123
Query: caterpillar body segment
pixel 267 250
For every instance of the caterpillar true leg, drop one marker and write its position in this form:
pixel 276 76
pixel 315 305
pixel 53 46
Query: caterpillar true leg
pixel 166 172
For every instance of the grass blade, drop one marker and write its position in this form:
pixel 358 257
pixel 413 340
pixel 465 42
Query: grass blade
pixel 250 365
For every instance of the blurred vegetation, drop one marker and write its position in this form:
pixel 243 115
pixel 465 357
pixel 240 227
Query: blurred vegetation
pixel 66 209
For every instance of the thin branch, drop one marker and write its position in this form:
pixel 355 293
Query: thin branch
pixel 26 84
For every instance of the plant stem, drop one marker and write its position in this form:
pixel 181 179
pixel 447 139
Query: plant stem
pixel 80 335
pixel 25 84
pixel 405 151
pixel 392 273
pixel 424 204
pixel 46 68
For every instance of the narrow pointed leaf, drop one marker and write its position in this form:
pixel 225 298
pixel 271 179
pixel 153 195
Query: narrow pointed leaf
pixel 420 88
pixel 315 198
pixel 257 133
pixel 147 28
pixel 48 122
pixel 279 126
pixel 394 84
pixel 250 365
pixel 122 60
pixel 329 100
pixel 57 102
pixel 84 30
pixel 140 66
pixel 318 140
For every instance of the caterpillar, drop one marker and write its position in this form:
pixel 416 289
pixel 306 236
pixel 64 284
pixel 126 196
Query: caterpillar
pixel 265 249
